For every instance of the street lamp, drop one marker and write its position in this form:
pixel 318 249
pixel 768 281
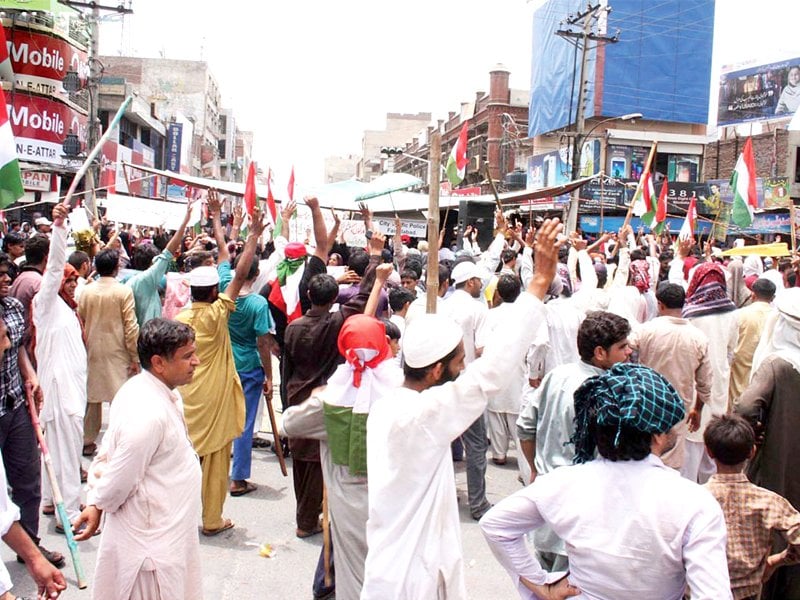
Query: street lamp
pixel 579 138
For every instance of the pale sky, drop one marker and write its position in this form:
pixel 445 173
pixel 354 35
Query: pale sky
pixel 309 76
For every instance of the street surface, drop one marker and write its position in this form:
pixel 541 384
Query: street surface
pixel 233 568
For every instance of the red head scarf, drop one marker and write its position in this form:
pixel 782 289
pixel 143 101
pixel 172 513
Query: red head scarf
pixel 362 342
pixel 640 274
pixel 70 272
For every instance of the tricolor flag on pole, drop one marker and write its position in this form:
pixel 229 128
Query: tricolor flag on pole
pixel 743 184
pixel 273 212
pixel 10 178
pixel 457 163
pixel 644 202
pixel 6 71
pixel 689 223
pixel 290 189
pixel 250 190
pixel 661 208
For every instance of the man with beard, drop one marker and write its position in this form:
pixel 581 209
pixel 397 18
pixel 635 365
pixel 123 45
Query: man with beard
pixel 413 531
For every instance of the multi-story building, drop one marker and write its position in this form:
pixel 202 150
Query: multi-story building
pixel 628 103
pixel 184 87
pixel 399 128
pixel 340 168
pixel 497 125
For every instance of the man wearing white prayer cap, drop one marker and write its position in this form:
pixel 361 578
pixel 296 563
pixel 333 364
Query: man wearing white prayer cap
pixel 413 531
pixel 465 307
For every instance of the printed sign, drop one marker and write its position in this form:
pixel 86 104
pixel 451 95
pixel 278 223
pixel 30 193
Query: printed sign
pixel 149 213
pixel 36 181
pixel 417 229
pixel 174 139
pixel 776 193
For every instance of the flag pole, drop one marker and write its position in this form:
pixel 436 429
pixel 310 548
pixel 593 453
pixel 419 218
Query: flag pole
pixel 432 284
pixel 647 166
pixel 792 226
pixel 96 150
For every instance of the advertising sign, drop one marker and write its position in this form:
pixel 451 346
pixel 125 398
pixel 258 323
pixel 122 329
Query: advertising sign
pixel 36 181
pixel 174 139
pixel 760 92
pixel 41 61
pixel 40 126
pixel 680 194
pixel 612 193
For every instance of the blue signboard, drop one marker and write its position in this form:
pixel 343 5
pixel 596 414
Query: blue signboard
pixel 174 139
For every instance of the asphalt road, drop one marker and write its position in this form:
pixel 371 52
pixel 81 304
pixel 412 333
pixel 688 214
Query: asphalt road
pixel 233 568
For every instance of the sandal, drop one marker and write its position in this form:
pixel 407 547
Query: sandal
pixel 244 489
pixel 48 510
pixel 55 558
pixel 307 534
pixel 225 526
pixel 89 449
pixel 261 443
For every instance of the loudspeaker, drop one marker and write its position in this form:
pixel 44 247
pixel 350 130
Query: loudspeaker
pixel 481 216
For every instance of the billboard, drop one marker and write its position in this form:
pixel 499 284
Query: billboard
pixel 40 125
pixel 41 61
pixel 758 93
pixel 672 85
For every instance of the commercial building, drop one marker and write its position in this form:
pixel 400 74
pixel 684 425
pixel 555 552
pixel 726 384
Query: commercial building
pixel 657 70
pixel 399 128
pixel 497 124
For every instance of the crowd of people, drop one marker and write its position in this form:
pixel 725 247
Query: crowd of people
pixel 645 383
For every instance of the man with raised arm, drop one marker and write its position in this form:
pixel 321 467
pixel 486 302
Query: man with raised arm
pixel 413 531
pixel 214 401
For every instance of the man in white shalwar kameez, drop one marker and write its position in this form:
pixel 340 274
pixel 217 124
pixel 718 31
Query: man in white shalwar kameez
pixel 61 359
pixel 413 531
pixel 146 478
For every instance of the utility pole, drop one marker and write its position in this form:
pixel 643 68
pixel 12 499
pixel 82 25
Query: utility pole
pixel 586 21
pixel 93 131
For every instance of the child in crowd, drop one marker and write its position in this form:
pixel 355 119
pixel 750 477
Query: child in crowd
pixel 752 514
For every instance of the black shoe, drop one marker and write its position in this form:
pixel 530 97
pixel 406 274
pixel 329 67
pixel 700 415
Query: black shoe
pixel 55 558
pixel 477 515
pixel 261 443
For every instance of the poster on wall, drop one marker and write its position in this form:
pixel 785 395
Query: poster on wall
pixel 776 192
pixel 758 93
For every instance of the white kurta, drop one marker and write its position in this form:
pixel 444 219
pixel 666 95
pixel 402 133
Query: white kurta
pixel 61 359
pixel 470 314
pixel 633 530
pixel 413 531
pixel 8 514
pixel 347 496
pixel 146 478
pixel 722 330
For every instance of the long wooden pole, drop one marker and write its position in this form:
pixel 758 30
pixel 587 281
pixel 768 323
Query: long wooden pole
pixel 432 283
pixel 494 189
pixel 647 166
pixel 793 226
pixel 58 500
pixel 276 437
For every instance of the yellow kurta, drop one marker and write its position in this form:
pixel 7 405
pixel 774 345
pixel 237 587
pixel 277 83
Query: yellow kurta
pixel 213 402
pixel 751 322
pixel 112 331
